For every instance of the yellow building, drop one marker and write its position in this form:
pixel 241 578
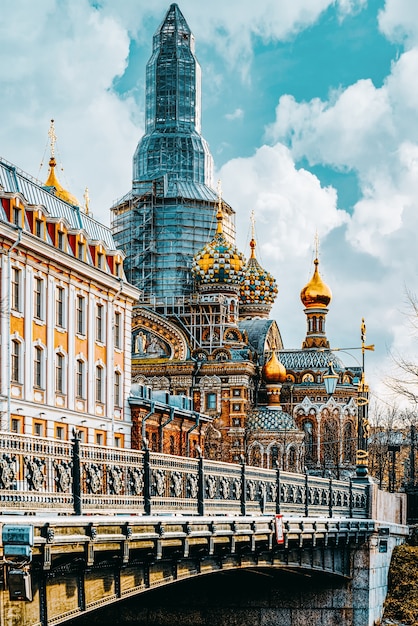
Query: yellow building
pixel 65 318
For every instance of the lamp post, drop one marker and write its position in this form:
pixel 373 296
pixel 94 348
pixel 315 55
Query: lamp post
pixel 363 427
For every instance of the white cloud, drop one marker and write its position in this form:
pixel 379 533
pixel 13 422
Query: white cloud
pixel 398 21
pixel 287 201
pixel 238 114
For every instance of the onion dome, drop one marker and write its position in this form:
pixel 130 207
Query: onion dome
pixel 316 294
pixel 273 371
pixel 53 182
pixel 258 288
pixel 219 262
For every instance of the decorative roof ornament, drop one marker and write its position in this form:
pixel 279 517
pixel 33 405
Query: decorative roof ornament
pixel 52 180
pixel 86 201
pixel 219 262
pixel 258 288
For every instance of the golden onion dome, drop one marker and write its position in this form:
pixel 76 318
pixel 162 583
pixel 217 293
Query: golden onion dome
pixel 219 261
pixel 53 181
pixel 257 285
pixel 273 370
pixel 316 293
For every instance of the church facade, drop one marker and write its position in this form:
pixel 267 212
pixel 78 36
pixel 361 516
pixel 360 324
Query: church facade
pixel 201 330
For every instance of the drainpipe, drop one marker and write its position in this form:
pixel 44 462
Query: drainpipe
pixel 162 426
pixel 197 416
pixel 8 315
pixel 144 419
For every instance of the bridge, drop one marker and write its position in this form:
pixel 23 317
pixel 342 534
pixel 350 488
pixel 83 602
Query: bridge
pixel 86 528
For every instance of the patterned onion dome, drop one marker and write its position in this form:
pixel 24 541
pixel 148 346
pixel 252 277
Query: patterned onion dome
pixel 316 294
pixel 257 285
pixel 219 261
pixel 273 370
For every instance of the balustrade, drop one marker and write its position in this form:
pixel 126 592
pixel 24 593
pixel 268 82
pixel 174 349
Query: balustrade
pixel 72 477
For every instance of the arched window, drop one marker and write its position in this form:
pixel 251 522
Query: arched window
pixel 99 383
pixel 309 440
pixel 59 372
pixel 256 457
pixel 38 362
pixel 349 444
pixel 80 386
pixel 16 361
pixel 292 460
pixel 117 389
pixel 330 441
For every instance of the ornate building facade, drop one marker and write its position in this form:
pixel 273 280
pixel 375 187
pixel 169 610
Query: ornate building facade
pixel 201 329
pixel 66 316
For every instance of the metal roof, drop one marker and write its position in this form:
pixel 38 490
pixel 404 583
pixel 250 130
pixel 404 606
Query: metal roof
pixel 14 180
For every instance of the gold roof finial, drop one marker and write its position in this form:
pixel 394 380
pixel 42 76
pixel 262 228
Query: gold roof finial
pixel 219 215
pixel 252 242
pixel 52 180
pixel 53 138
pixel 316 244
pixel 86 200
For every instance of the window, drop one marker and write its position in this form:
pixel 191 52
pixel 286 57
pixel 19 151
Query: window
pixel 80 251
pixel 79 386
pixel 17 217
pixel 100 260
pixel 236 393
pixel 15 362
pixel 81 315
pixel 39 429
pixel 117 330
pixel 236 408
pixel 99 439
pixel 16 425
pixel 99 323
pixel 118 272
pixel 60 432
pixel 59 373
pixel 99 384
pixel 60 308
pixel 16 300
pixel 119 441
pixel 39 298
pixel 211 401
pixel 61 240
pixel 117 396
pixel 39 229
pixel 38 368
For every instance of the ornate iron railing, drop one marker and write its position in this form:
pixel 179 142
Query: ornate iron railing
pixel 71 477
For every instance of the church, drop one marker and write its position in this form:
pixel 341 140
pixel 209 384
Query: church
pixel 202 337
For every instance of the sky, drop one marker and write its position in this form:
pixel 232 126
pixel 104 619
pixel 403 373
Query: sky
pixel 310 109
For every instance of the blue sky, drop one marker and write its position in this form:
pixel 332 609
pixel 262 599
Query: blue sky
pixel 310 108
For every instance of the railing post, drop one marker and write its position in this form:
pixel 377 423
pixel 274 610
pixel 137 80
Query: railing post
pixel 243 487
pixel 278 488
pixel 350 495
pixel 306 493
pixel 200 484
pixel 147 478
pixel 330 494
pixel 76 473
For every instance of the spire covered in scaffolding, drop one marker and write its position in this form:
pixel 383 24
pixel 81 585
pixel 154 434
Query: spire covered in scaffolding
pixel 172 144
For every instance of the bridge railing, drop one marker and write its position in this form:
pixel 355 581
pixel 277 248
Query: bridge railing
pixel 72 477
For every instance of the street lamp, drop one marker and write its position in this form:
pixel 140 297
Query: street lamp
pixel 330 380
pixel 363 427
